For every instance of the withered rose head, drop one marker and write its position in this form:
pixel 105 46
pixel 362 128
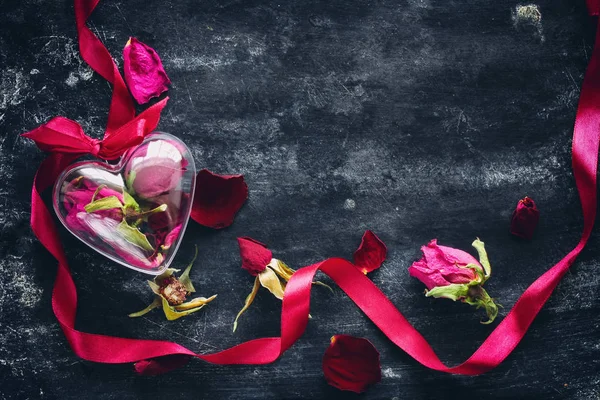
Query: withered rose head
pixel 173 291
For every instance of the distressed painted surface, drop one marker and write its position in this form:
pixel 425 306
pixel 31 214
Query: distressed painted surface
pixel 416 119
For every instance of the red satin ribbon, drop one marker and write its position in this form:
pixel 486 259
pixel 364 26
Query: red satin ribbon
pixel 294 315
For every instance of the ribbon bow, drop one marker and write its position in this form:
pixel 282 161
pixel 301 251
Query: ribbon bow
pixel 63 135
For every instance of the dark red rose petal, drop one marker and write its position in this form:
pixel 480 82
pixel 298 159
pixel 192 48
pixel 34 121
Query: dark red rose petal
pixel 160 365
pixel 144 72
pixel 255 255
pixel 524 219
pixel 351 363
pixel 218 198
pixel 370 254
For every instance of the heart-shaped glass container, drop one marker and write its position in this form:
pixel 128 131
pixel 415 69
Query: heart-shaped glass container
pixel 134 212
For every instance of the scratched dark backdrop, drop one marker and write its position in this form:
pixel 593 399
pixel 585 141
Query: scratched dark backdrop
pixel 417 119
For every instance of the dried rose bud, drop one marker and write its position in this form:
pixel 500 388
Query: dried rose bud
pixel 255 255
pixel 172 290
pixel 351 363
pixel 524 219
pixel 270 273
pixel 144 72
pixel 456 275
pixel 443 266
pixel 370 254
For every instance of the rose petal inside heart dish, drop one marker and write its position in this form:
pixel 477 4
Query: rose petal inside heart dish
pixel 135 212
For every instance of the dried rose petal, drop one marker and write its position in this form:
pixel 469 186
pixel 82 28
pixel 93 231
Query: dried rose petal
pixel 370 254
pixel 255 255
pixel 144 72
pixel 218 198
pixel 171 236
pixel 525 219
pixel 351 363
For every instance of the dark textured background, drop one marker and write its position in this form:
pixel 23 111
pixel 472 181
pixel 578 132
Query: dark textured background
pixel 416 119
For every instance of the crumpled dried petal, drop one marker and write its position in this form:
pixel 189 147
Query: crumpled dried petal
pixel 218 198
pixel 171 293
pixel 370 254
pixel 255 255
pixel 144 72
pixel 525 219
pixel 351 363
pixel 456 275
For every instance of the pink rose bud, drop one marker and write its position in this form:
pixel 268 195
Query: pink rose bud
pixel 456 275
pixel 442 266
pixel 144 72
pixel 154 176
pixel 524 219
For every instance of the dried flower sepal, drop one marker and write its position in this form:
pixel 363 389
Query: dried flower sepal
pixel 171 293
pixel 274 278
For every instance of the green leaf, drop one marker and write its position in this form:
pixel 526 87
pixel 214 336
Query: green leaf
pixel 152 306
pixel 155 288
pixel 197 302
pixel 286 272
pixel 105 203
pixel 130 201
pixel 248 302
pixel 134 236
pixel 130 180
pixel 98 189
pixel 480 276
pixel 319 283
pixel 453 292
pixel 269 279
pixel 185 277
pixel 281 269
pixel 483 258
pixel 172 314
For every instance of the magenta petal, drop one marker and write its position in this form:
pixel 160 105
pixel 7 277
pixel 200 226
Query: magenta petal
pixel 171 237
pixel 144 72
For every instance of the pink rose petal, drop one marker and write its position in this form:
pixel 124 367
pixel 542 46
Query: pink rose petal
pixel 144 72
